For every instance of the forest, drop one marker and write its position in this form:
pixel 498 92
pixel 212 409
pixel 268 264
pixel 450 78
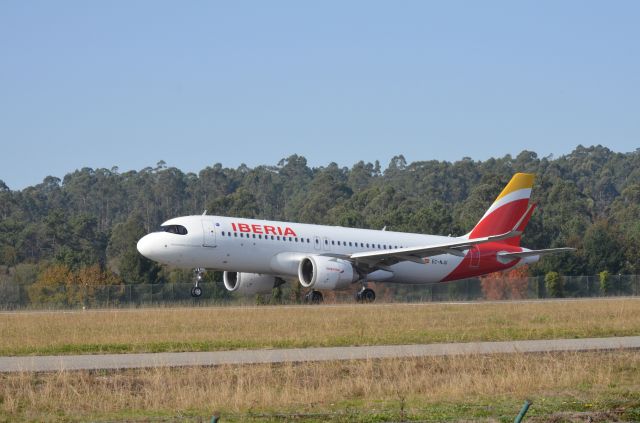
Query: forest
pixel 84 227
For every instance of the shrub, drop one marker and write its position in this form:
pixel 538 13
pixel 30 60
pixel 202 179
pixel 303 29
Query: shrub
pixel 554 284
pixel 606 287
pixel 512 284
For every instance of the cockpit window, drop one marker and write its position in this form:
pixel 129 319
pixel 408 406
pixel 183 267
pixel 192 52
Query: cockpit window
pixel 174 229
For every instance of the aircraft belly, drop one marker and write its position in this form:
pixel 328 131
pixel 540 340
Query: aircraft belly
pixel 253 257
pixel 435 270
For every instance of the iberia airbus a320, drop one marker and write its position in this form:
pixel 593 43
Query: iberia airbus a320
pixel 258 255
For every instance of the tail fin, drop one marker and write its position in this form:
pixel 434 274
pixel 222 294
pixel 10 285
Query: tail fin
pixel 507 210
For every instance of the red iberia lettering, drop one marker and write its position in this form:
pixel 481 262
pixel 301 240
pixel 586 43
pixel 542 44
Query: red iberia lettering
pixel 263 229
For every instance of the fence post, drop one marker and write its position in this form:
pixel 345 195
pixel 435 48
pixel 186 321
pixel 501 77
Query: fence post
pixel 523 411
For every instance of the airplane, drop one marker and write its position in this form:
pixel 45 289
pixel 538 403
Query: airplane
pixel 258 255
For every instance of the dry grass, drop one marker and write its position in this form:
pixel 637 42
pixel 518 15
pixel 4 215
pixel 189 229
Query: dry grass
pixel 201 329
pixel 586 380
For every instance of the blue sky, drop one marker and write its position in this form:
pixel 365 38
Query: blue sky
pixel 128 83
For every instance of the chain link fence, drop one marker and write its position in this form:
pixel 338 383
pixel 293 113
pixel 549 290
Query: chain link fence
pixel 15 296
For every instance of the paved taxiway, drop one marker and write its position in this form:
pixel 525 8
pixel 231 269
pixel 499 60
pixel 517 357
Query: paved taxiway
pixel 125 361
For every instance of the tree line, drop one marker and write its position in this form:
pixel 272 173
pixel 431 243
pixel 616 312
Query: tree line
pixel 88 222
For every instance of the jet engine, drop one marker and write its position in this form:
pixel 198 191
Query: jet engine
pixel 321 272
pixel 248 284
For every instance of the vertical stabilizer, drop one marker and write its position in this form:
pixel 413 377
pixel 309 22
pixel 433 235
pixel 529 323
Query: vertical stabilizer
pixel 507 209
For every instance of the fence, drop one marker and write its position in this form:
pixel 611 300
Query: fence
pixel 15 296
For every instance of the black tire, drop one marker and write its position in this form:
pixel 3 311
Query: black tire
pixel 368 295
pixel 196 291
pixel 316 297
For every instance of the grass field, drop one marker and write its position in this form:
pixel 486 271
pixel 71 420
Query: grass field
pixel 562 386
pixel 224 328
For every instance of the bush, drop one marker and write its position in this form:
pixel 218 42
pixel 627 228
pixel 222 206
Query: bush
pixel 554 284
pixel 512 284
pixel 606 287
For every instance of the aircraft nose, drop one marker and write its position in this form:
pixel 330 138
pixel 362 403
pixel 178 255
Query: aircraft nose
pixel 145 246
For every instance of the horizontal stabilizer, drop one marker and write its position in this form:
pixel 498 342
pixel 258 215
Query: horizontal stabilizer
pixel 529 253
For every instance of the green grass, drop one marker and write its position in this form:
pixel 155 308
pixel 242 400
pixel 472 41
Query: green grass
pixel 602 386
pixel 223 328
pixel 606 408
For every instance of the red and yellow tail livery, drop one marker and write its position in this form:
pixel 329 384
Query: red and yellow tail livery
pixel 507 210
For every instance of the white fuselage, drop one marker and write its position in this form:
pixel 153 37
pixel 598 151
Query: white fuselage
pixel 276 248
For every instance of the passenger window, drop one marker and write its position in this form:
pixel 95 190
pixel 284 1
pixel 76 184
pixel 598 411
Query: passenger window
pixel 235 234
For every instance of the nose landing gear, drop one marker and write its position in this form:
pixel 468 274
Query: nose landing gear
pixel 196 291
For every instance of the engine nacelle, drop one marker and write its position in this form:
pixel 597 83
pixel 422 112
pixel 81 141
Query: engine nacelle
pixel 321 272
pixel 248 284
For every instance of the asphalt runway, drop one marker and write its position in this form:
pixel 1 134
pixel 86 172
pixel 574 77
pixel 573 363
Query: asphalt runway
pixel 216 358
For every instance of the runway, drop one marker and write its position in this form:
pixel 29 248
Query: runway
pixel 216 358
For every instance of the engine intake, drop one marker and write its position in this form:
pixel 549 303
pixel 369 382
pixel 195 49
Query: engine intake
pixel 321 272
pixel 248 284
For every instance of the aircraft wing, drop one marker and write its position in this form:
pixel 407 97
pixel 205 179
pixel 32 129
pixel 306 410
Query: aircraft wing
pixel 456 247
pixel 382 258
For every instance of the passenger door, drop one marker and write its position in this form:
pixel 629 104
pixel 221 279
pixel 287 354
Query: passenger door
pixel 209 232
pixel 316 243
pixel 474 256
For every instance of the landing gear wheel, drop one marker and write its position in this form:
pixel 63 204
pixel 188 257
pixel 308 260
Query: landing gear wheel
pixel 196 291
pixel 366 295
pixel 313 297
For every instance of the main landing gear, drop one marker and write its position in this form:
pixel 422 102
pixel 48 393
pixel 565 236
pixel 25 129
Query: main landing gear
pixel 313 297
pixel 365 295
pixel 196 291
